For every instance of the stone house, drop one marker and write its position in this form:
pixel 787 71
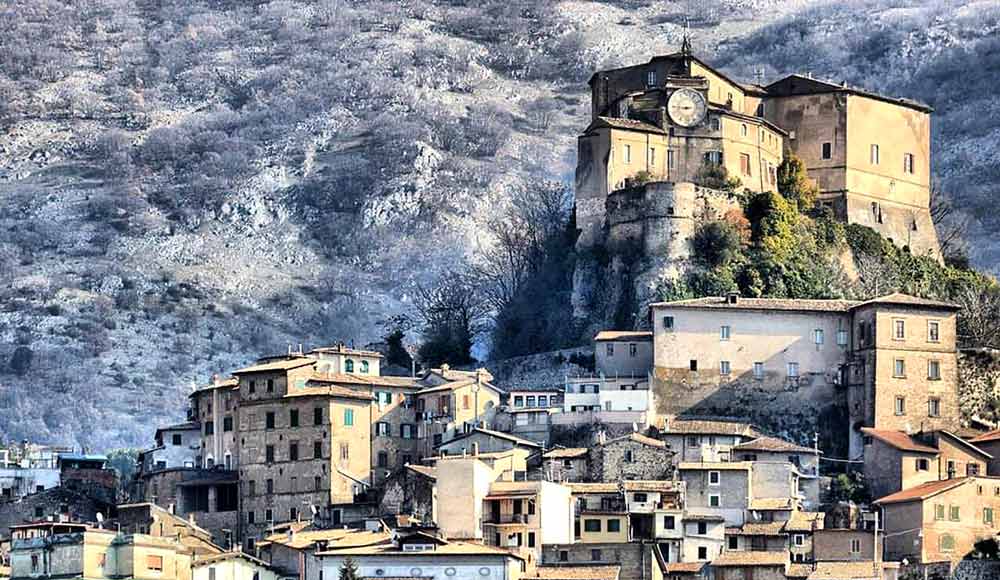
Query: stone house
pixel 895 355
pixel 845 545
pixel 749 565
pixel 566 464
pixel 623 353
pixel 632 456
pixel 478 440
pixel 704 439
pixel 802 527
pixel 292 553
pixel 896 461
pixel 410 491
pixel 58 503
pixel 940 520
pixel 232 566
pixel 214 408
pixel 721 489
pixel 628 511
pixel 152 520
pixel 638 560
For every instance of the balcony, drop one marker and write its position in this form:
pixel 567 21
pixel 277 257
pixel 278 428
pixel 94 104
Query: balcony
pixel 506 519
pixel 607 507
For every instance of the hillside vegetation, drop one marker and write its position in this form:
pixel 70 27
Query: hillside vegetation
pixel 187 185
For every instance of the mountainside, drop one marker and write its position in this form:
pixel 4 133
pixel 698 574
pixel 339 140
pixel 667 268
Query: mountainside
pixel 187 185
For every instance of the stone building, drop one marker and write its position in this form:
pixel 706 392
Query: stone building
pixel 58 504
pixel 303 443
pixel 638 560
pixel 450 400
pixel 632 456
pixel 704 439
pixel 566 464
pixel 805 366
pixel 214 408
pixel 895 461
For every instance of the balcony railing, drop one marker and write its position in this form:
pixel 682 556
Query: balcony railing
pixel 506 519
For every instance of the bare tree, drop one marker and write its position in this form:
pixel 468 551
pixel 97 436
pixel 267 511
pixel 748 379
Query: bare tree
pixel 453 313
pixel 979 320
pixel 876 276
pixel 951 225
pixel 519 241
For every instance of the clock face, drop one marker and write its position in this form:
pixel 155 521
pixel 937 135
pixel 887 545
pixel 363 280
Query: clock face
pixel 686 107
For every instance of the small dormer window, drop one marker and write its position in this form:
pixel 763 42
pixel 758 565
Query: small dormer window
pixel 651 78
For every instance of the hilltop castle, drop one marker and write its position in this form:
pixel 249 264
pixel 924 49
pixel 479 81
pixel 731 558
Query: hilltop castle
pixel 671 118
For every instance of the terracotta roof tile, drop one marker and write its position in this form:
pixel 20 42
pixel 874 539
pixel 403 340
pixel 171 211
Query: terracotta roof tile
pixel 900 299
pixel 801 521
pixel 846 571
pixel 748 558
pixel 773 444
pixel 986 437
pixel 771 503
pixel 328 391
pixel 567 453
pixel 364 380
pixel 424 470
pixel 629 124
pixel 709 427
pixel 899 440
pixel 923 491
pixel 762 529
pixel 572 572
pixel 798 570
pixel 638 438
pixel 685 567
pixel 278 365
pixel 782 304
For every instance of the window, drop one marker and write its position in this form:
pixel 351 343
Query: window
pixel 317 450
pixel 703 552
pixel 629 458
pixel 610 349
pixel 972 470
pixel 383 397
pixel 269 420
pixel 154 563
pixel 714 478
pixel 713 158
pixel 467 405
pixel 209 427
pixel 652 155
pixel 793 370
pixel 799 539
pixel 947 543
pixel 591 525
pixel 933 331
pixel 743 131
pixel 227 424
pixel 874 154
pixel 595 555
pixel 633 350
pixel 900 405
pixel 827 150
pixel 933 407
pixel 668 322
pixel 819 336
pixel 841 337
pixel 907 162
pixel 954 513
pixel 899 368
pixel 543 400
pixel 318 416
pixel 345 451
pixel 269 486
pixel 899 329
pixel 531 539
pixel 733 542
pixel 293 514
pixel 318 483
pixel 252 387
pixel 251 517
pixel 694 364
pixel 293 451
pixel 758 370
pixel 364 367
pixel 934 370
pixel 923 464
pixel 383 459
pixel 951 468
pixel 855 546
pixel 716 123
pixel 724 332
pixel 988 516
pixel 714 500
pixel 176 439
pixel 745 164
pixel 724 368
pixel 34 562
pixel 651 78
pixel 627 153
pixel 348 417
pixel 671 161
pixel 270 385
pixel 692 441
pixel 293 418
pixel 407 431
pixel 939 512
pixel 382 429
pixel 669 522
pixel 269 453
pixel 519 401
pixel 614 525
pixel 563 556
pixel 268 515
pixel 348 366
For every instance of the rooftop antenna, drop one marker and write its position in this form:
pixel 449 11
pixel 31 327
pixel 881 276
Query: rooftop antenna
pixel 759 74
pixel 686 40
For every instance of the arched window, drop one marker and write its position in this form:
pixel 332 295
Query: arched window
pixel 364 367
pixel 349 366
pixel 947 543
pixel 209 462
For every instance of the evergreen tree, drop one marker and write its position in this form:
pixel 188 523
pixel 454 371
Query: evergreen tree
pixel 795 185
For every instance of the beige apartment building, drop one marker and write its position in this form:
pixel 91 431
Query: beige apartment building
pixel 894 356
pixel 451 400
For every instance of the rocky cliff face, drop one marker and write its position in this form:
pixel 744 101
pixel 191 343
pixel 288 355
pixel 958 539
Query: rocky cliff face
pixel 187 185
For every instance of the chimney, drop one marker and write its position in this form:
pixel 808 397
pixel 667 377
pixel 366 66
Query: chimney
pixel 475 448
pixel 733 298
pixel 215 379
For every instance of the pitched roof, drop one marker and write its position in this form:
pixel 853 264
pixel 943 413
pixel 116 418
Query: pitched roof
pixel 801 521
pixel 958 441
pixel 715 465
pixel 566 453
pixel 748 558
pixel 424 470
pixel 638 438
pixel 771 503
pixel 344 349
pixel 498 434
pixel 685 567
pixel 900 299
pixel 450 548
pixel 229 556
pixel 576 572
pixel 335 537
pixel 797 84
pixel 328 391
pixel 277 365
pixel 627 124
pixel 761 529
pixel 709 427
pixel 229 383
pixel 188 426
pixel 798 570
pixel 365 380
pixel 986 437
pixel 624 335
pixel 773 444
pixel 452 385
pixel 923 491
pixel 779 304
pixel 899 440
pixel 699 516
pixel 846 570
